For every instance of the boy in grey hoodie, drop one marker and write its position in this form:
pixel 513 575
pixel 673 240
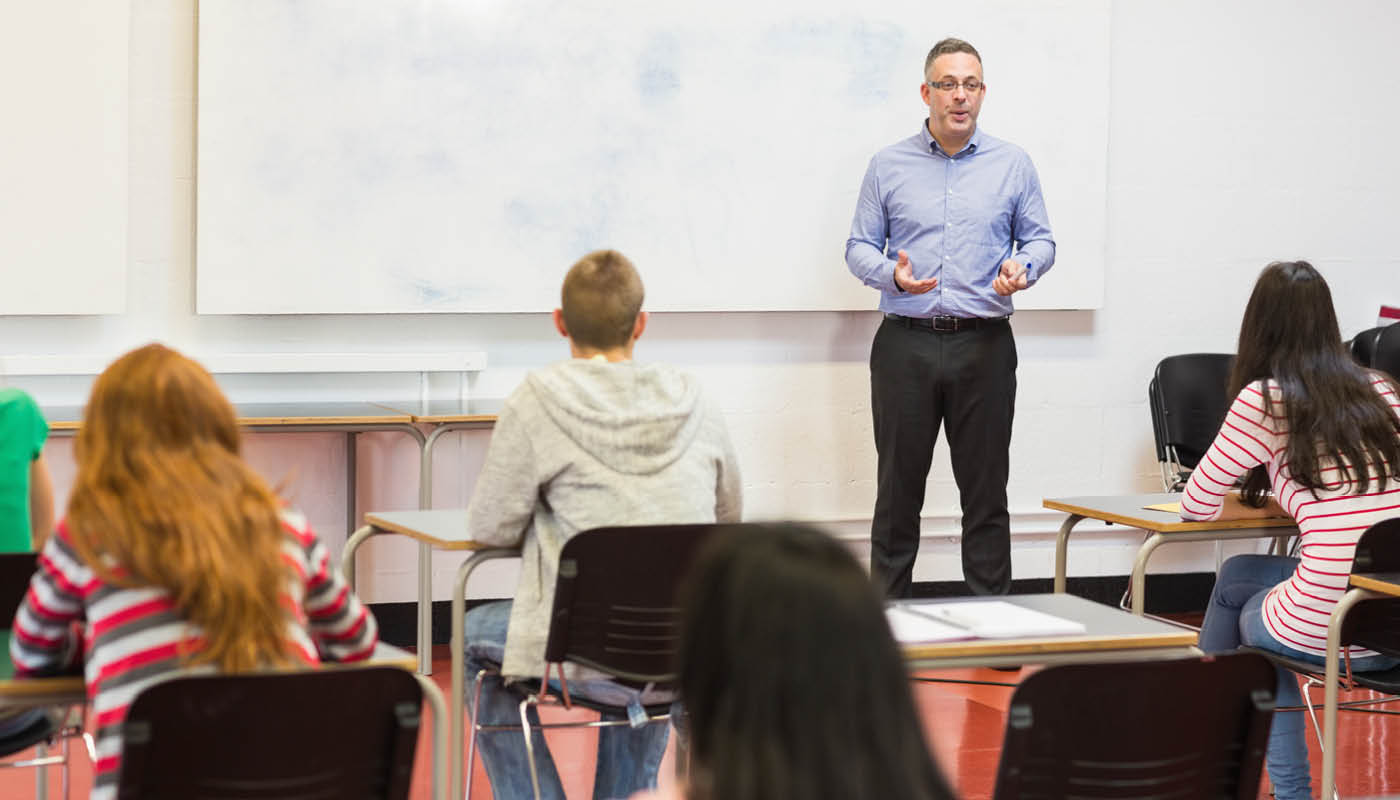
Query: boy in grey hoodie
pixel 592 441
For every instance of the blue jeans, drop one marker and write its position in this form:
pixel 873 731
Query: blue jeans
pixel 628 758
pixel 1235 617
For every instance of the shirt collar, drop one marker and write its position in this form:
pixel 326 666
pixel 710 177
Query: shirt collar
pixel 932 147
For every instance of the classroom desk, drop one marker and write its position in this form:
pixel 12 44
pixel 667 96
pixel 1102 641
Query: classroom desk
pixel 1111 635
pixel 1365 586
pixel 70 690
pixel 445 417
pixel 432 529
pixel 349 418
pixel 1164 526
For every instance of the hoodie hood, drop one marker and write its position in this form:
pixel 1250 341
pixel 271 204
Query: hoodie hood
pixel 634 418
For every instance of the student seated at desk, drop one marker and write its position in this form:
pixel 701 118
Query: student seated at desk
pixel 174 555
pixel 1324 434
pixel 26 493
pixel 794 685
pixel 593 441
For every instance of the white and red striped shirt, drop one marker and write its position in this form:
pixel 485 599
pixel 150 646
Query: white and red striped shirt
pixel 134 637
pixel 1329 522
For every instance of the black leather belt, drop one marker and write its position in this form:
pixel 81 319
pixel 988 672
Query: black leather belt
pixel 947 324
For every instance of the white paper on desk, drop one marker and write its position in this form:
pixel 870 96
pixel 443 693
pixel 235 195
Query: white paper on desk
pixel 912 628
pixel 997 619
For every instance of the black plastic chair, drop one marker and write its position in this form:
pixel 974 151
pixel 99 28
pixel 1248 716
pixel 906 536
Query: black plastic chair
pixel 1386 357
pixel 1188 399
pixel 1363 345
pixel 1373 624
pixel 1193 728
pixel 615 612
pixel 343 732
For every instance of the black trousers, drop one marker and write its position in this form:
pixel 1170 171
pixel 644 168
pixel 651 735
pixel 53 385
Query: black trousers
pixel 964 381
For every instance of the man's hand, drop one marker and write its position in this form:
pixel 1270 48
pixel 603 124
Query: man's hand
pixel 904 277
pixel 1011 278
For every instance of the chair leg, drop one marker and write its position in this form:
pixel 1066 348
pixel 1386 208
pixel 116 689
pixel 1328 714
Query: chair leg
pixel 529 742
pixel 471 740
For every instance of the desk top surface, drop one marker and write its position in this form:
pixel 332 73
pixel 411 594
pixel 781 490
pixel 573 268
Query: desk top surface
pixel 445 529
pixel 71 688
pixel 269 415
pixel 483 410
pixel 1384 582
pixel 1129 510
pixel 1107 628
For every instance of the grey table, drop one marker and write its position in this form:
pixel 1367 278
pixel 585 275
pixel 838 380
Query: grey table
pixel 1163 527
pixel 1111 634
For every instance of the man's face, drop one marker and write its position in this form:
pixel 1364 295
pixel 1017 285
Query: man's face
pixel 952 114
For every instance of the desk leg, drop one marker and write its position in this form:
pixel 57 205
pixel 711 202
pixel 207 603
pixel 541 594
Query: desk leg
pixel 1330 691
pixel 347 558
pixel 351 480
pixel 433 695
pixel 457 691
pixel 425 608
pixel 1062 551
pixel 1139 581
pixel 41 774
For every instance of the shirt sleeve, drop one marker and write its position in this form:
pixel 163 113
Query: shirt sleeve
pixel 1248 438
pixel 865 248
pixel 1031 228
pixel 340 625
pixel 36 429
pixel 506 490
pixel 44 640
pixel 729 500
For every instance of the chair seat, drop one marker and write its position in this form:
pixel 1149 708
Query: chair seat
pixel 1386 681
pixel 532 686
pixel 25 730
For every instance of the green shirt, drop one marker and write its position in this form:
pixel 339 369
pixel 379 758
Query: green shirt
pixel 22 433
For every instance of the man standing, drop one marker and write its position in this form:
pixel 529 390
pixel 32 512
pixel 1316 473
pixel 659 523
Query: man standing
pixel 950 223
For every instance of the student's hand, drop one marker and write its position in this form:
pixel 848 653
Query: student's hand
pixel 1010 279
pixel 904 277
pixel 1234 508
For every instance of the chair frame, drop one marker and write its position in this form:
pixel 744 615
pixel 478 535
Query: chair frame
pixel 558 650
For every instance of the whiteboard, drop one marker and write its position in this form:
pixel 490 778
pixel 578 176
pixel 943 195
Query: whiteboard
pixel 63 156
pixel 365 156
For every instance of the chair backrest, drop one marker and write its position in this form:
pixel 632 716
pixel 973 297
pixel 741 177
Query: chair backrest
pixel 1188 728
pixel 615 607
pixel 1386 357
pixel 1363 345
pixel 1193 401
pixel 1375 624
pixel 16 569
pixel 334 732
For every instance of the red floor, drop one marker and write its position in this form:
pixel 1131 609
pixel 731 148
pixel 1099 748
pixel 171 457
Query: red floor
pixel 963 722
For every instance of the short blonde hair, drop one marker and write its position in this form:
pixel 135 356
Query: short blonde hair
pixel 601 299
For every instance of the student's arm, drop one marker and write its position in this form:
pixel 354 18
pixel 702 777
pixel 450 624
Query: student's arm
pixel 506 490
pixel 729 493
pixel 341 626
pixel 40 501
pixel 1247 439
pixel 44 639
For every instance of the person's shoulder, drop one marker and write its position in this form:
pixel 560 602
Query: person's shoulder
pixel 296 526
pixel 14 400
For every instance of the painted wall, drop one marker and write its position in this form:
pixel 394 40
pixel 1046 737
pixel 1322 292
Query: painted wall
pixel 1239 133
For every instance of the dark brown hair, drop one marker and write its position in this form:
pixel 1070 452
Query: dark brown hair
pixel 947 46
pixel 1334 415
pixel 794 685
pixel 601 298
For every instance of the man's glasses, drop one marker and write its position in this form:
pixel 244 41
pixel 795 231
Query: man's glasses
pixel 970 85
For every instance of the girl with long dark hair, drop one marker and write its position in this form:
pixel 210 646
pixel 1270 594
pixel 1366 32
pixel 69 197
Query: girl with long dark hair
pixel 1322 435
pixel 794 686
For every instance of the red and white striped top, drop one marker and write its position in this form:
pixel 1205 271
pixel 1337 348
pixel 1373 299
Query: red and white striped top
pixel 133 637
pixel 1295 611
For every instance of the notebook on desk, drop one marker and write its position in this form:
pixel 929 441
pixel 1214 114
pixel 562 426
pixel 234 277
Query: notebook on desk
pixel 988 619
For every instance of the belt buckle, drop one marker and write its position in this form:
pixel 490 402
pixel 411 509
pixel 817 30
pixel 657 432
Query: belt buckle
pixel 945 324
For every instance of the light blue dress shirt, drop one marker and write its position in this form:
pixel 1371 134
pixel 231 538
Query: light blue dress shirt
pixel 958 217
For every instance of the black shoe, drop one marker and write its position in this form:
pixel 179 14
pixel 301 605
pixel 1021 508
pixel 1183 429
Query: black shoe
pixel 1009 668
